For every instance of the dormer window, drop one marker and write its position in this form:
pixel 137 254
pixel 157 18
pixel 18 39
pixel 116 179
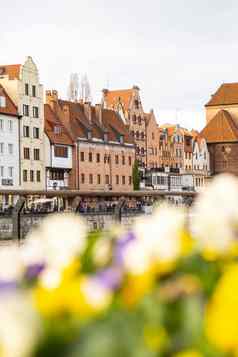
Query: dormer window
pixel 89 135
pixel 136 103
pixel 57 129
pixel 2 101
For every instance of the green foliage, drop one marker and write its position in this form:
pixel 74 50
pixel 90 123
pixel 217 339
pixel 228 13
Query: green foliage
pixel 136 176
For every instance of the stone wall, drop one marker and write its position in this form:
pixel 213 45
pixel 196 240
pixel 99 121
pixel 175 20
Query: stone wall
pixel 30 221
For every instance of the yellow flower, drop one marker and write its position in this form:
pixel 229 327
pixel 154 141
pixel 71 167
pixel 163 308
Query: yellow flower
pixel 155 337
pixel 137 286
pixel 186 243
pixel 221 321
pixel 189 353
pixel 81 297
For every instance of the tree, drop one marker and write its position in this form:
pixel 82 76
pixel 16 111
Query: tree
pixel 136 176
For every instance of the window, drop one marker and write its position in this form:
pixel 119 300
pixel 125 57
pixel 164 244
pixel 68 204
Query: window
pixel 123 180
pixel 142 136
pixel 130 180
pixel 35 112
pixel 98 157
pixel 117 159
pixel 36 154
pixel 98 179
pixel 81 156
pixel 136 104
pixel 2 101
pixel 90 179
pixel 31 175
pixel 107 179
pixel 25 175
pixel 2 171
pixel 129 160
pixel 57 175
pixel 61 151
pixel 123 160
pixel 33 91
pixel 134 119
pixel 139 120
pixel 153 136
pixel 57 129
pixel 82 177
pixel 38 176
pixel 90 157
pixel 10 125
pixel 26 89
pixel 1 148
pixel 137 135
pixel 36 133
pixel 26 110
pixel 10 149
pixel 26 153
pixel 117 179
pixel 1 124
pixel 26 131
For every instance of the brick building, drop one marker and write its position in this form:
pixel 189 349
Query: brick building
pixel 127 103
pixel 153 157
pixel 103 151
pixel 221 131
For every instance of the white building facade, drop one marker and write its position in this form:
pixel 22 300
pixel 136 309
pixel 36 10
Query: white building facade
pixel 201 163
pixel 22 84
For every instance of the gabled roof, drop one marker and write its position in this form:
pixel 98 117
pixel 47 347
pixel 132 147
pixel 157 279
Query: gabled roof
pixel 226 94
pixel 221 128
pixel 51 121
pixel 12 70
pixel 10 108
pixel 112 97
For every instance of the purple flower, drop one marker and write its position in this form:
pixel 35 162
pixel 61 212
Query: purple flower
pixel 34 270
pixel 110 278
pixel 7 285
pixel 120 246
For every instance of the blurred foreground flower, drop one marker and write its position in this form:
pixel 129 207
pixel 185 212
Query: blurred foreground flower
pixel 215 220
pixel 20 328
pixel 56 242
pixel 222 314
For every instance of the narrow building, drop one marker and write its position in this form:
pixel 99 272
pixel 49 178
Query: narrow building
pixel 9 148
pixel 22 84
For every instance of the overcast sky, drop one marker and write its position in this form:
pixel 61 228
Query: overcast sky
pixel 177 51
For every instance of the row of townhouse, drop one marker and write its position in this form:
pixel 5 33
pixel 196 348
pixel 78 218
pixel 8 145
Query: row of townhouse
pixel 164 148
pixel 59 144
pixel 50 143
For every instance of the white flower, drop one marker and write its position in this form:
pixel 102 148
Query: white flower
pixel 157 239
pixel 19 326
pixel 11 265
pixel 215 214
pixel 57 241
pixel 102 251
pixel 96 295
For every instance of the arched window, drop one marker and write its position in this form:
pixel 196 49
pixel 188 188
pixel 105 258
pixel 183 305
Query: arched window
pixel 137 135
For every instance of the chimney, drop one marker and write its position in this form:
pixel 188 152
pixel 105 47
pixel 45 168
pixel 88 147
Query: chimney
pixel 88 111
pixel 98 111
pixel 51 98
pixel 66 112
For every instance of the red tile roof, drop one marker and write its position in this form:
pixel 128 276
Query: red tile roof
pixel 78 125
pixel 10 108
pixel 226 94
pixel 222 128
pixel 52 121
pixel 112 97
pixel 13 70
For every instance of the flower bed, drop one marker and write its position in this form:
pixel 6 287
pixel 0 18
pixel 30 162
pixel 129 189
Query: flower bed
pixel 167 287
